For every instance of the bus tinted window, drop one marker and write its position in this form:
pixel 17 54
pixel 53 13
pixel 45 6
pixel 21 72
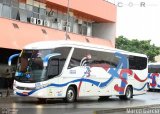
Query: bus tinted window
pixel 77 57
pixel 104 59
pixel 84 57
pixel 56 63
pixel 154 69
pixel 137 63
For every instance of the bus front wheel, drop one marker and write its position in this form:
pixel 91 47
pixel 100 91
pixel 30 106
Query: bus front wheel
pixel 128 94
pixel 70 95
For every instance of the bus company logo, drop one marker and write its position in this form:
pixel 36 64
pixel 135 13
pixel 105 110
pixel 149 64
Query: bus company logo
pixel 88 71
pixel 123 75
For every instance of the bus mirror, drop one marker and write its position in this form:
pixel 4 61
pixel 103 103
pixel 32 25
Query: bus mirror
pixel 11 57
pixel 47 57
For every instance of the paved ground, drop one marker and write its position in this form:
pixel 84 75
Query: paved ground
pixel 25 105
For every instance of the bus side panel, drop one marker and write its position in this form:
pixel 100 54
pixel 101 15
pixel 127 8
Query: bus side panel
pixel 139 81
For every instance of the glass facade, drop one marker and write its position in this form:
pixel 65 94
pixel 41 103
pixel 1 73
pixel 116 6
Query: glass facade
pixel 38 13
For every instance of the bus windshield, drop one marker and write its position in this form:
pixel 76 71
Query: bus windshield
pixel 31 68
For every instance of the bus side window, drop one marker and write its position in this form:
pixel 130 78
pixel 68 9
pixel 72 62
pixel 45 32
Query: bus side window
pixel 137 63
pixel 53 68
pixel 57 63
pixel 93 58
pixel 77 56
pixel 73 63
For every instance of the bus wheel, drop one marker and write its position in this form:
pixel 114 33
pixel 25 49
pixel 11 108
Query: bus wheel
pixel 42 100
pixel 70 95
pixel 128 94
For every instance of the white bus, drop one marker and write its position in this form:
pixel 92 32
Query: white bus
pixel 153 76
pixel 69 70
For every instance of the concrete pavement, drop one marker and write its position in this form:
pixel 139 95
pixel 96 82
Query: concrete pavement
pixel 83 105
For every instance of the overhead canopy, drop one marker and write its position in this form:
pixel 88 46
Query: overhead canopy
pixel 16 34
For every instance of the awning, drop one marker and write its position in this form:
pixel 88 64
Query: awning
pixel 16 34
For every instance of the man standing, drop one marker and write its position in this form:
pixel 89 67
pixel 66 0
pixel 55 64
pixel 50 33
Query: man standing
pixel 8 76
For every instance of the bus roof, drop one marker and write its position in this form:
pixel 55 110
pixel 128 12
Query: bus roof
pixel 154 65
pixel 158 63
pixel 66 43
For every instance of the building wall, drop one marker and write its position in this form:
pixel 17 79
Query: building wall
pixel 30 21
pixel 105 31
pixel 16 38
pixel 98 8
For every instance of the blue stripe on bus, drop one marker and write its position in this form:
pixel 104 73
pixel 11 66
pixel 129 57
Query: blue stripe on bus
pixel 139 89
pixel 101 85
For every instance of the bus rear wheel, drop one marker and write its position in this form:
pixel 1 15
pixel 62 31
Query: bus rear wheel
pixel 128 94
pixel 70 95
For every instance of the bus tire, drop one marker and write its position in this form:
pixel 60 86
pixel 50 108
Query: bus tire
pixel 70 95
pixel 128 94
